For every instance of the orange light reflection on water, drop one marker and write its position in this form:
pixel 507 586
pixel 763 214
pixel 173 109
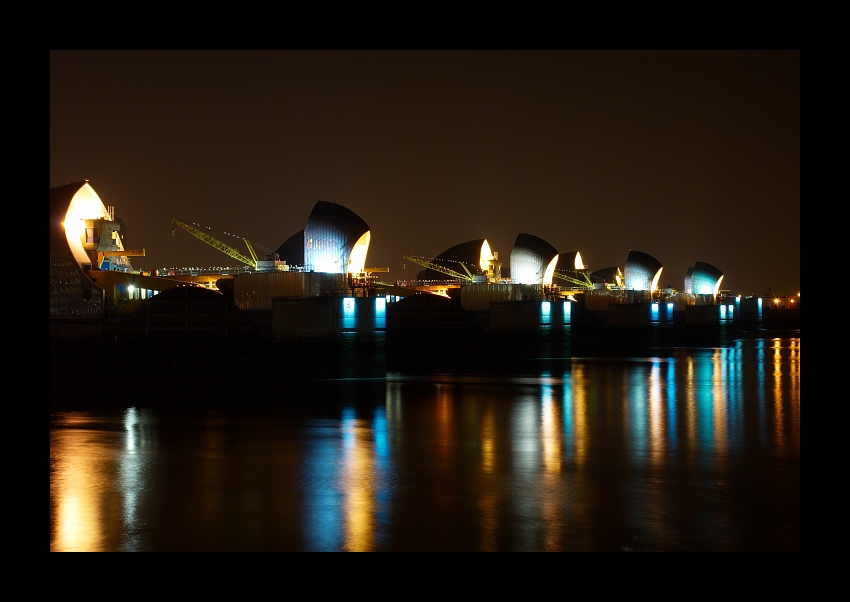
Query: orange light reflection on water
pixel 554 496
pixel 720 384
pixel 358 485
pixel 551 434
pixel 779 419
pixel 444 421
pixel 490 498
pixel 581 436
pixel 691 406
pixel 77 487
pixel 487 438
pixel 78 516
pixel 794 375
pixel 657 435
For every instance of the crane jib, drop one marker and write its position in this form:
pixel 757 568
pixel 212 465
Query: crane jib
pixel 217 244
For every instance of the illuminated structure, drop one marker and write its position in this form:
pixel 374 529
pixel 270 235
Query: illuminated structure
pixel 703 279
pixel 475 255
pixel 336 240
pixel 642 272
pixel 570 262
pixel 533 260
pixel 89 266
pixel 91 230
pixel 570 269
pixel 608 277
pixel 84 241
pixel 74 211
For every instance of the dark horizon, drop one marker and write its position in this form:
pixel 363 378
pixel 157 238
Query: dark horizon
pixel 686 156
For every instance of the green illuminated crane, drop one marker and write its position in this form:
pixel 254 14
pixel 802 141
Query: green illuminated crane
pixel 427 263
pixel 214 242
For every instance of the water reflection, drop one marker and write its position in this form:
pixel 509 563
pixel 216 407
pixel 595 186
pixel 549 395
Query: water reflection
pixel 347 472
pixel 553 494
pixel 575 406
pixel 687 452
pixel 98 476
pixel 657 435
pixel 132 475
pixel 77 484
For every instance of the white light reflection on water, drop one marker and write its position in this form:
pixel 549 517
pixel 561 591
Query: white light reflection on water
pixel 525 450
pixel 696 451
pixel 131 478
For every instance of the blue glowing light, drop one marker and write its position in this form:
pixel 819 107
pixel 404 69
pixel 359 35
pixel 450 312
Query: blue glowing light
pixel 545 312
pixel 381 431
pixel 348 312
pixel 671 405
pixel 380 312
pixel 655 311
pixel 567 308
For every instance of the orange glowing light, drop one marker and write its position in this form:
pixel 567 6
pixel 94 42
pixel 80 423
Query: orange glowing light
pixel 357 259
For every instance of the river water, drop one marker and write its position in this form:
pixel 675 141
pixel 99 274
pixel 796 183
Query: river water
pixel 697 450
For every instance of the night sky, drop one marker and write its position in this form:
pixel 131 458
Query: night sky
pixel 686 156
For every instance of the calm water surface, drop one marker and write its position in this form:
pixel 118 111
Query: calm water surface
pixel 696 451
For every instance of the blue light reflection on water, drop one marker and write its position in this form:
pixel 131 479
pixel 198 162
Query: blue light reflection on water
pixel 383 470
pixel 323 519
pixel 672 400
pixel 636 400
pixel 659 453
pixel 347 474
pixel 567 410
pixel 762 399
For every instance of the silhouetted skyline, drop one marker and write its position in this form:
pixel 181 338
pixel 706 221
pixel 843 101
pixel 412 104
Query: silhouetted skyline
pixel 686 156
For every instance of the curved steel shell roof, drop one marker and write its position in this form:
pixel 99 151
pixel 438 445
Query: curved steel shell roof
pixel 569 262
pixel 704 279
pixel 530 257
pixel 642 271
pixel 332 232
pixel 72 292
pixel 611 275
pixel 60 200
pixel 292 251
pixel 468 253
